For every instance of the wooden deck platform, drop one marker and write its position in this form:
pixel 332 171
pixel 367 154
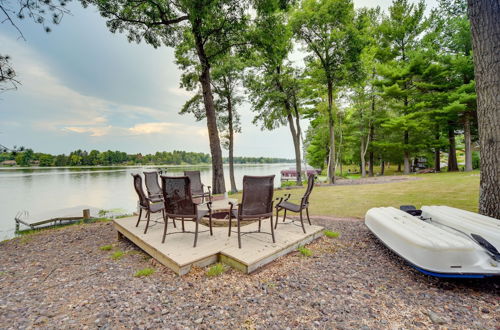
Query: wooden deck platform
pixel 178 253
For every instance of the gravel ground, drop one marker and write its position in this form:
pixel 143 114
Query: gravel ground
pixel 61 279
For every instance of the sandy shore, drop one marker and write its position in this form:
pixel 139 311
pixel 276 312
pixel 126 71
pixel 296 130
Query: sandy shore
pixel 61 279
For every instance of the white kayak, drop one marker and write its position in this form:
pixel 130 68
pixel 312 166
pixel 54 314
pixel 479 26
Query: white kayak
pixel 443 241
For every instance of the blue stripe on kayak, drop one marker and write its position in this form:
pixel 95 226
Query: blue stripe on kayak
pixel 445 275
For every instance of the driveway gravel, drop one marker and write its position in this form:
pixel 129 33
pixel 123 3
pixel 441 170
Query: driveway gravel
pixel 62 279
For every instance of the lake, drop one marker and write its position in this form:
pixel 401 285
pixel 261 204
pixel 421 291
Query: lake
pixel 39 190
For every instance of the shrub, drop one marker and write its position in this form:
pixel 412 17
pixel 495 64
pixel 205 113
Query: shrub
pixel 331 234
pixel 305 251
pixel 117 255
pixel 286 184
pixel 106 247
pixel 144 272
pixel 216 270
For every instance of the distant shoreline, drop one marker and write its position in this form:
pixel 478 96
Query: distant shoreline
pixel 7 167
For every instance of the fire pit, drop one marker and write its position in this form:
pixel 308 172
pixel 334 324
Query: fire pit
pixel 220 213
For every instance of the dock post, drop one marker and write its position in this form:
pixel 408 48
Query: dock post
pixel 86 214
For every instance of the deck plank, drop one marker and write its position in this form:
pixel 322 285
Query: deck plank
pixel 178 254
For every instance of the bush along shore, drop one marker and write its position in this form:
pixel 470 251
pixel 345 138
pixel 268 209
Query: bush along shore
pixel 82 276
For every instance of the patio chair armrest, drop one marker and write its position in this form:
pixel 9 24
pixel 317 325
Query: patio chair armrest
pixel 287 196
pixel 209 206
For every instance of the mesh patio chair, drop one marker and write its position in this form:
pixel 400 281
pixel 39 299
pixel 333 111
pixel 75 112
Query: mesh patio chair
pixel 179 204
pixel 284 204
pixel 257 204
pixel 145 203
pixel 152 186
pixel 198 188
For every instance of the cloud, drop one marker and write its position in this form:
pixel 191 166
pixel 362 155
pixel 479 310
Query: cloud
pixel 160 128
pixel 60 107
pixel 180 92
pixel 166 128
pixel 94 131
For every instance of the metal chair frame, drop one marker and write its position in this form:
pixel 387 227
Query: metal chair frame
pixel 253 217
pixel 145 203
pixel 152 186
pixel 196 217
pixel 283 204
pixel 195 175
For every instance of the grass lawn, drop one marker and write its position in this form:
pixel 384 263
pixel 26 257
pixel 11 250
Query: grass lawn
pixel 457 189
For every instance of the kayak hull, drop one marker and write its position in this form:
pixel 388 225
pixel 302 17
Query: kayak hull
pixel 432 248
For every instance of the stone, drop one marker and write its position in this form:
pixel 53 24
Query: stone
pixel 435 318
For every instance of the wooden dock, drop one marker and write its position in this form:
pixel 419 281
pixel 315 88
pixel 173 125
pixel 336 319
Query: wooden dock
pixel 178 254
pixel 55 217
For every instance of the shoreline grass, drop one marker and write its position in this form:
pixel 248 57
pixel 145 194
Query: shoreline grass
pixel 455 189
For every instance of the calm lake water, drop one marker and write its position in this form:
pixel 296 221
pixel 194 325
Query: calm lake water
pixel 38 190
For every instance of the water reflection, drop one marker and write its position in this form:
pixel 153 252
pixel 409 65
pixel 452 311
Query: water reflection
pixel 44 189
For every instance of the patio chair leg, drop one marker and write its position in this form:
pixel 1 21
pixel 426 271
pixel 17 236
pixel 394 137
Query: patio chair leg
pixel 165 230
pixel 277 217
pixel 210 224
pixel 284 216
pixel 230 222
pixel 259 225
pixel 173 220
pixel 307 212
pixel 302 222
pixel 148 215
pixel 182 219
pixel 272 229
pixel 196 233
pixel 139 218
pixel 239 233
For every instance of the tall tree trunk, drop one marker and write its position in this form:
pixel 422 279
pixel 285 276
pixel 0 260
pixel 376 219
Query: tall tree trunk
pixel 452 150
pixel 298 137
pixel 231 144
pixel 362 155
pixel 218 184
pixel 370 166
pixel 406 154
pixel 296 146
pixel 293 131
pixel 372 126
pixel 331 132
pixel 468 143
pixel 399 167
pixel 382 167
pixel 485 26
pixel 437 153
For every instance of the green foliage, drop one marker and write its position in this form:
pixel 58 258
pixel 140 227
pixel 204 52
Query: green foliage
pixel 144 272
pixel 110 158
pixel 285 184
pixel 327 29
pixel 476 160
pixel 24 158
pixel 106 247
pixel 305 251
pixel 117 255
pixel 216 270
pixel 331 234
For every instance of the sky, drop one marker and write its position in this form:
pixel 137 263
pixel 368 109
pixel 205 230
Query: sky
pixel 83 87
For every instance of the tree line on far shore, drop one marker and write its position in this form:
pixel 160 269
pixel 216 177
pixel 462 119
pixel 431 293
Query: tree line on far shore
pixel 27 157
